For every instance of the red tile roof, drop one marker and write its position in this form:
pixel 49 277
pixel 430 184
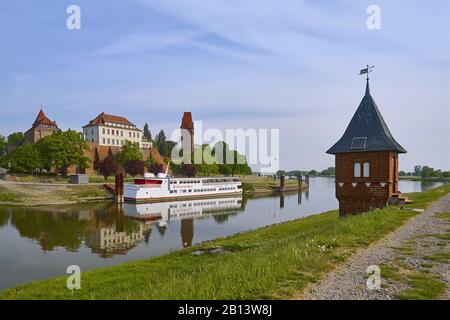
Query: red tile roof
pixel 186 122
pixel 42 119
pixel 103 118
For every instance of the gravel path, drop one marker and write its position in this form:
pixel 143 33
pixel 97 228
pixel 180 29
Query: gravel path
pixel 407 247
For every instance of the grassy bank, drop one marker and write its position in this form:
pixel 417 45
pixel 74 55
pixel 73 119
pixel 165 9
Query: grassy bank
pixel 259 186
pixel 273 262
pixel 30 195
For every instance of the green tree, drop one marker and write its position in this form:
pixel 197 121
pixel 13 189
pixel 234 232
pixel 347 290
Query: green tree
pixel 163 145
pixel 295 173
pixel 230 160
pixel 208 166
pixel 63 149
pixel 417 170
pixel 427 172
pixel 26 158
pixel 280 173
pixel 160 138
pixel 402 173
pixel 147 133
pixel 330 171
pixel 16 139
pixel 3 143
pixel 130 151
pixel 225 170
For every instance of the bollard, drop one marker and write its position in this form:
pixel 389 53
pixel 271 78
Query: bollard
pixel 282 178
pixel 119 183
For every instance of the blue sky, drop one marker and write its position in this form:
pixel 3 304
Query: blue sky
pixel 283 64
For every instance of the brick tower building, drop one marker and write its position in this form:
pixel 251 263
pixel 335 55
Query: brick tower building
pixel 187 135
pixel 42 127
pixel 366 161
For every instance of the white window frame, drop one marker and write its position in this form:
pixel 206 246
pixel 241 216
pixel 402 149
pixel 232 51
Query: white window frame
pixel 357 169
pixel 366 169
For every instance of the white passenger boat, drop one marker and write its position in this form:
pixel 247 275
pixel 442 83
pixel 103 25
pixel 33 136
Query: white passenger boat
pixel 162 187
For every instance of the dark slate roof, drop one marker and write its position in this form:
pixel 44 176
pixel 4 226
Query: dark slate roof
pixel 368 123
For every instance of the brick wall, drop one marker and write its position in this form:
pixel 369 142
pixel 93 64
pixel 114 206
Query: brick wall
pixel 360 194
pixel 35 134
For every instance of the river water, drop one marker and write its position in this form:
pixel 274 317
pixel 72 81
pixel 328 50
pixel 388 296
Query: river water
pixel 40 243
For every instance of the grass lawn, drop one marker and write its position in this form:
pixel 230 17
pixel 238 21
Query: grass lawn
pixel 272 262
pixel 8 196
pixel 83 191
pixel 37 194
pixel 263 185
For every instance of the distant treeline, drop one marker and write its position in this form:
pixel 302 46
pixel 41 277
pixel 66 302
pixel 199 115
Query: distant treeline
pixel 329 172
pixel 425 172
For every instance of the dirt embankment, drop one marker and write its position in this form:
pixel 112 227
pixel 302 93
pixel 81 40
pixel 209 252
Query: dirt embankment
pixel 263 188
pixel 36 194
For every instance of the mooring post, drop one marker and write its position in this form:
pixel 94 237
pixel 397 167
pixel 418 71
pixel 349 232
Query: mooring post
pixel 300 186
pixel 119 188
pixel 282 177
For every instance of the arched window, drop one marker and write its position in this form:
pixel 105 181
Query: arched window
pixel 357 169
pixel 366 169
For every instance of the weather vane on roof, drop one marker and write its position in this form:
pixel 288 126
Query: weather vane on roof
pixel 366 70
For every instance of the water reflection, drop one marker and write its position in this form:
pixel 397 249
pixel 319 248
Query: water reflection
pixel 105 230
pixel 163 213
pixel 109 231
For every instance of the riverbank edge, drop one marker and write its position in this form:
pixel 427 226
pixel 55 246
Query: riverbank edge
pixel 276 261
pixel 252 190
pixel 258 189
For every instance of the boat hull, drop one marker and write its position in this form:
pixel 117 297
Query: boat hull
pixel 182 197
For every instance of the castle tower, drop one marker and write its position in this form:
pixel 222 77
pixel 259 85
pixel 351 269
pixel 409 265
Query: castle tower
pixel 366 161
pixel 41 128
pixel 188 133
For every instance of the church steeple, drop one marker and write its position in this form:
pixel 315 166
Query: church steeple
pixel 367 87
pixel 367 131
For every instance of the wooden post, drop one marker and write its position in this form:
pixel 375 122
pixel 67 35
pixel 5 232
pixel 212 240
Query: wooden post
pixel 119 188
pixel 282 178
pixel 300 182
pixel 300 186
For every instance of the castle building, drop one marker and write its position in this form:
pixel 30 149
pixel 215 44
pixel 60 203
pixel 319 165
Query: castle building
pixel 41 128
pixel 109 130
pixel 366 161
pixel 187 132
